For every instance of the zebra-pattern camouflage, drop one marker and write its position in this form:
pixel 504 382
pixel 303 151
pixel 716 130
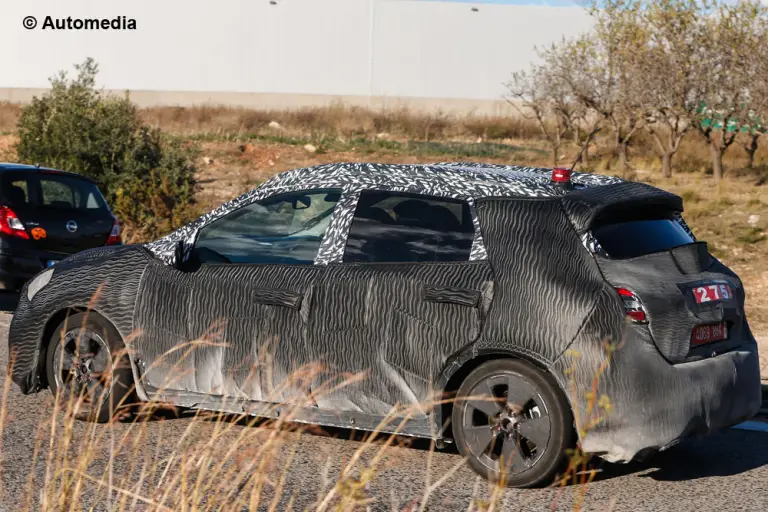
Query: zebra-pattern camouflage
pixel 535 288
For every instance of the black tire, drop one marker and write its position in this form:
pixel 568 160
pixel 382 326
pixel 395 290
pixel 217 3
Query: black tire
pixel 518 432
pixel 112 389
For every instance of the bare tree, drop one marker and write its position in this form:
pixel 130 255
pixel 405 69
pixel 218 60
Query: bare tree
pixel 671 69
pixel 602 69
pixel 540 96
pixel 723 104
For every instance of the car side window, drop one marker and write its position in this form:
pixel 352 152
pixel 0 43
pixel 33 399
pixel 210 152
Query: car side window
pixel 398 227
pixel 58 194
pixel 282 229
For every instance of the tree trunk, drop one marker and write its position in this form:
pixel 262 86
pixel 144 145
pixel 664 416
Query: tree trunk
pixel 555 151
pixel 666 164
pixel 717 161
pixel 577 134
pixel 751 149
pixel 585 156
pixel 623 158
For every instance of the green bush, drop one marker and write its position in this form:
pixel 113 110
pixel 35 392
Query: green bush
pixel 147 177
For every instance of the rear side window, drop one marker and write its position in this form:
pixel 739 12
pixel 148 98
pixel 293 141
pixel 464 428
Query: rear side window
pixel 66 193
pixel 397 228
pixel 50 190
pixel 621 240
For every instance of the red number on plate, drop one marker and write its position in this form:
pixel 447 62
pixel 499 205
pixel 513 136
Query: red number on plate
pixel 701 294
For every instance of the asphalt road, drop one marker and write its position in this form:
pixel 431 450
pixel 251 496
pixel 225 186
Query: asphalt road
pixel 728 471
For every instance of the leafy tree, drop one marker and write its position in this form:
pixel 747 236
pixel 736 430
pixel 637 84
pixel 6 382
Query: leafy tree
pixel 726 99
pixel 146 177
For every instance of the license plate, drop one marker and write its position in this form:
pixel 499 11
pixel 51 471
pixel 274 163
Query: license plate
pixel 712 293
pixel 50 263
pixel 703 334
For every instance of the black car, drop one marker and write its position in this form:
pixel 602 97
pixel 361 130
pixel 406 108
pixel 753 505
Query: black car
pixel 494 289
pixel 45 216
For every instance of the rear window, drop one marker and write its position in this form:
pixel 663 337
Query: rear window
pixel 621 240
pixel 52 191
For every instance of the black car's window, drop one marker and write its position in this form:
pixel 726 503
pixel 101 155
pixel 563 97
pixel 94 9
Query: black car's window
pixel 67 193
pixel 51 191
pixel 398 227
pixel 16 191
pixel 632 238
pixel 284 229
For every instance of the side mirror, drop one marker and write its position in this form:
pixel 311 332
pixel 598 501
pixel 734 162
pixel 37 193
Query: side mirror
pixel 178 254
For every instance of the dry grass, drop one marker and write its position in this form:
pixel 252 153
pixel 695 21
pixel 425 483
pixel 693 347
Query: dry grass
pixel 237 461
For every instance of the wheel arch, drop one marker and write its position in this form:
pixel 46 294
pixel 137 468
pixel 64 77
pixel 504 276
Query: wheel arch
pixel 460 366
pixel 57 318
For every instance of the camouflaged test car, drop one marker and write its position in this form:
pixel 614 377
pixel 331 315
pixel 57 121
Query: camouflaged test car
pixel 496 285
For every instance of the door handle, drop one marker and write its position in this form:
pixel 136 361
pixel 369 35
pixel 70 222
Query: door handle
pixel 282 298
pixel 446 295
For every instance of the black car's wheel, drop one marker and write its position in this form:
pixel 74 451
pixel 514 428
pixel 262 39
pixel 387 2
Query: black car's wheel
pixel 513 423
pixel 86 363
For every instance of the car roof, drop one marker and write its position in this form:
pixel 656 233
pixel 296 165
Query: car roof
pixel 6 167
pixel 470 179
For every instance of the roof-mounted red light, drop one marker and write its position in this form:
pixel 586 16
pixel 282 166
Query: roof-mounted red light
pixel 561 175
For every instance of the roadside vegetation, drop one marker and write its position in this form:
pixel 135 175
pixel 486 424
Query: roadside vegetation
pixel 216 461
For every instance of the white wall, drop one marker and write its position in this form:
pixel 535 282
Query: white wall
pixel 341 48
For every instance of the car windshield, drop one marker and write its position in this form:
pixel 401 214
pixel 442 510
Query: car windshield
pixel 629 239
pixel 57 191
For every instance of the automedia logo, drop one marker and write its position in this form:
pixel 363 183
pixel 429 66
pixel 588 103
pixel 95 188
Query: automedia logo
pixel 70 23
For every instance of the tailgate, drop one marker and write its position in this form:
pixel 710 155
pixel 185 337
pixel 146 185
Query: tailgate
pixel 61 213
pixel 692 311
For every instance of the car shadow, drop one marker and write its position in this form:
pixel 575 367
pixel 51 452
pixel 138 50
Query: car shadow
pixel 728 453
pixel 8 301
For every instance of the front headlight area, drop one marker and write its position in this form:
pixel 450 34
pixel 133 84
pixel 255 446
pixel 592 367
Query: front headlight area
pixel 38 283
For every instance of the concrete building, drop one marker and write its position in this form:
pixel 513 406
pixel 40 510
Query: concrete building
pixel 428 54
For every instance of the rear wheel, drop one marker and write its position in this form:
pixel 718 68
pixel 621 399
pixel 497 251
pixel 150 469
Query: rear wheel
pixel 87 364
pixel 512 423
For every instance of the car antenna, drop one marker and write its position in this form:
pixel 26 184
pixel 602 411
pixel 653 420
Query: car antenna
pixel 584 147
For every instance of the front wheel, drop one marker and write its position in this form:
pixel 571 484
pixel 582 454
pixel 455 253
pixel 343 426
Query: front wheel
pixel 512 423
pixel 87 364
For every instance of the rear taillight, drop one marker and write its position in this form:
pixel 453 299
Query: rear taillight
pixel 632 305
pixel 114 235
pixel 10 224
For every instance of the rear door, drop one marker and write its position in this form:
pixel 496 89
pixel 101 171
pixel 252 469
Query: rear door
pixel 63 214
pixel 694 304
pixel 403 300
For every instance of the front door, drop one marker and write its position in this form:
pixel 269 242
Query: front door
pixel 232 322
pixel 402 301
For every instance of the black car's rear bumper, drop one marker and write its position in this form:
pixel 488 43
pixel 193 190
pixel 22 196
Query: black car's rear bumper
pixel 652 404
pixel 16 269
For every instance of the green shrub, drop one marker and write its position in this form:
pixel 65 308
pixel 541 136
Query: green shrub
pixel 147 177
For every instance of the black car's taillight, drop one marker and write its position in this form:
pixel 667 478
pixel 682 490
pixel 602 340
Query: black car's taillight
pixel 114 235
pixel 633 306
pixel 10 224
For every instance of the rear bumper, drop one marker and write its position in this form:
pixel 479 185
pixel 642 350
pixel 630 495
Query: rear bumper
pixel 654 405
pixel 17 270
pixel 18 267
